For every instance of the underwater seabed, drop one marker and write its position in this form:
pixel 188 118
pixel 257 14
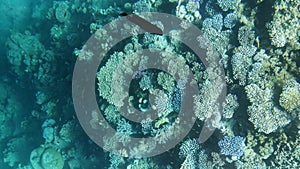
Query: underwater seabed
pixel 247 87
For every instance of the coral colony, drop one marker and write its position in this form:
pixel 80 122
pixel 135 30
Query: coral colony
pixel 258 45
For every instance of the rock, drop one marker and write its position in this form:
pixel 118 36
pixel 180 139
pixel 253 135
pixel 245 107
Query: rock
pixel 46 158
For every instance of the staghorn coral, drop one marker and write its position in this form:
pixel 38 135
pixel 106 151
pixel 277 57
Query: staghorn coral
pixel 195 156
pixel 287 152
pixel 124 127
pixel 116 161
pixel 189 147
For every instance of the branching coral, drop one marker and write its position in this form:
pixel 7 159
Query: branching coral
pixel 241 62
pixel 218 38
pixel 284 28
pixel 189 11
pixel 205 103
pixel 195 156
pixel 290 96
pixel 232 146
pixel 105 76
pixel 230 20
pixel 166 81
pixel 228 4
pixel 264 115
pixel 188 150
pixel 229 106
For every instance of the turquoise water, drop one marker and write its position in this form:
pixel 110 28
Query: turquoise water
pixel 149 84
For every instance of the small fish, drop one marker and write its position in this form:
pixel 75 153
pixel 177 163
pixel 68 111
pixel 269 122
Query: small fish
pixel 257 41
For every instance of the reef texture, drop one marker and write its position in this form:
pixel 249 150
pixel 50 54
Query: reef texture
pixel 257 43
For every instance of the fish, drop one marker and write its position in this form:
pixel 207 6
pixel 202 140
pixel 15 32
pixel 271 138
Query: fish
pixel 142 23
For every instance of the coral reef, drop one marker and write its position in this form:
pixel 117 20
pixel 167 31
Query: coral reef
pixel 256 43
